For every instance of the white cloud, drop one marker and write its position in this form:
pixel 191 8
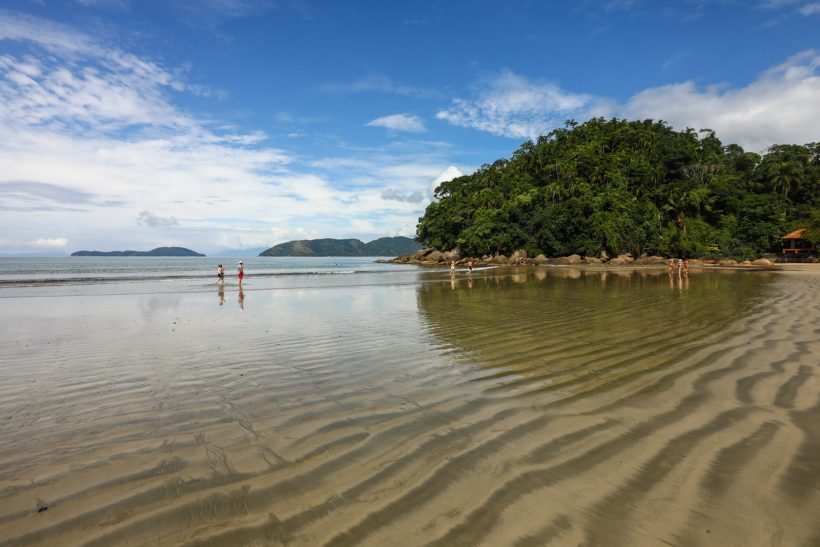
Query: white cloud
pixel 399 122
pixel 91 139
pixel 514 106
pixel 48 243
pixel 781 106
pixel 376 83
pixel 810 9
pixel 448 174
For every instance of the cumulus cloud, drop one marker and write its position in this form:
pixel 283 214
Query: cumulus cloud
pixel 515 106
pixel 147 218
pixel 47 243
pixel 399 122
pixel 781 106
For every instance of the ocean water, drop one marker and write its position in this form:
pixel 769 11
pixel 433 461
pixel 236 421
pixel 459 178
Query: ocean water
pixel 17 272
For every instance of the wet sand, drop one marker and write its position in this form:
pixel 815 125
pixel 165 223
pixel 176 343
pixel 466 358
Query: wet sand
pixel 510 407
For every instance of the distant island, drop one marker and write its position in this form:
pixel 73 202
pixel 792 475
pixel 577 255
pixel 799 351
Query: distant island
pixel 159 251
pixel 385 246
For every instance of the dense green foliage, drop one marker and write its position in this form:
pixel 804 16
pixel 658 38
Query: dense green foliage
pixel 640 186
pixel 159 251
pixel 385 246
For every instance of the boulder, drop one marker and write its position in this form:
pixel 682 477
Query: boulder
pixel 604 256
pixel 727 262
pixel 627 258
pixel 650 260
pixel 619 261
pixel 560 261
pixel 540 259
pixel 435 256
pixel 500 259
pixel 745 262
pixel 518 256
pixel 592 260
pixel 763 262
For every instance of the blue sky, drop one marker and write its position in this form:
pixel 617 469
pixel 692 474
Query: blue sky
pixel 231 125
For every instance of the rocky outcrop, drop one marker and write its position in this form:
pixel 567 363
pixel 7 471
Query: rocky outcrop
pixel 727 263
pixel 571 260
pixel 763 262
pixel 650 260
pixel 540 259
pixel 591 260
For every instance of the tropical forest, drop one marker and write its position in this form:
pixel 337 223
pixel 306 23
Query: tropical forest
pixel 612 185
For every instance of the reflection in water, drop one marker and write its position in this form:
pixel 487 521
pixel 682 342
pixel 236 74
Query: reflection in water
pixel 544 329
pixel 221 293
pixel 241 299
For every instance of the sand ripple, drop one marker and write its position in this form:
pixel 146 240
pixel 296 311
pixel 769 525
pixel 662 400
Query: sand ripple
pixel 520 409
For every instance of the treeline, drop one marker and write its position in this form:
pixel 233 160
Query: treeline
pixel 637 186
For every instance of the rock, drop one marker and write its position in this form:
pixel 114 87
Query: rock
pixel 745 262
pixel 540 259
pixel 560 261
pixel 727 262
pixel 500 259
pixel 618 261
pixel 626 257
pixel 649 260
pixel 574 259
pixel 763 262
pixel 435 256
pixel 592 260
pixel 604 256
pixel 518 256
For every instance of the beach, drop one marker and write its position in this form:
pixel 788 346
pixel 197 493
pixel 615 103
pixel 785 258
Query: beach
pixel 510 406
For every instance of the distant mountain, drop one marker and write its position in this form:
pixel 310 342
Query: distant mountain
pixel 159 251
pixel 385 246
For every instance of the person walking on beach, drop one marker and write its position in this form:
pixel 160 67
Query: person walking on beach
pixel 220 275
pixel 452 267
pixel 240 271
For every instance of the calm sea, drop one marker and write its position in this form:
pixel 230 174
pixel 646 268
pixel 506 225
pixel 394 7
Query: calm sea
pixel 92 270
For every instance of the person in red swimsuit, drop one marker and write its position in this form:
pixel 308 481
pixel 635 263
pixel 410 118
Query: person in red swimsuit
pixel 241 270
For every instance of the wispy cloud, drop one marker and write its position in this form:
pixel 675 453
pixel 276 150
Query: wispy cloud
pixel 810 9
pixel 399 122
pixel 50 243
pixel 89 129
pixel 376 83
pixel 514 106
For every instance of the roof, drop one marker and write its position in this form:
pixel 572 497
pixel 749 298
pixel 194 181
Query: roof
pixel 797 234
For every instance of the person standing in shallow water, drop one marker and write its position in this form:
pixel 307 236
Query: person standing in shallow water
pixel 220 275
pixel 240 271
pixel 452 267
pixel 470 265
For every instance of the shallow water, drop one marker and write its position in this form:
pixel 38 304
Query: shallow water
pixel 508 407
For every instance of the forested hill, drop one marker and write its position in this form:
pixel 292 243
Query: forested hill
pixel 636 186
pixel 159 251
pixel 385 246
